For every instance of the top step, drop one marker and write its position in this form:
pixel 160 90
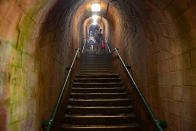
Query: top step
pixel 97 75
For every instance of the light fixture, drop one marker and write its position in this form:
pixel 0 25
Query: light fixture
pixel 95 7
pixel 95 17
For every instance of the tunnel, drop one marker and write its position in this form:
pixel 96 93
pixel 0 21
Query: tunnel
pixel 155 38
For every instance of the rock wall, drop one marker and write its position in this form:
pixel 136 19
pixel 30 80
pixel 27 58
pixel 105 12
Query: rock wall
pixel 37 41
pixel 35 50
pixel 158 40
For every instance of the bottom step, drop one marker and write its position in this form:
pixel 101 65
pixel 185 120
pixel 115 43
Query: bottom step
pixel 130 127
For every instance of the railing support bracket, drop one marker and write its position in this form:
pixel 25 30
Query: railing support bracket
pixel 163 124
pixel 128 67
pixel 46 123
pixel 68 68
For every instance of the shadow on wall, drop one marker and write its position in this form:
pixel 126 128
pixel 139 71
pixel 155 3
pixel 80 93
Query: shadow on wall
pixel 161 52
pixel 157 38
pixel 32 70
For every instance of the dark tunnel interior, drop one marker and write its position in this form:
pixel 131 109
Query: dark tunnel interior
pixel 38 38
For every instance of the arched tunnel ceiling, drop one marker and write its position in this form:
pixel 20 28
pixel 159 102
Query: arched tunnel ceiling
pixel 74 13
pixel 37 41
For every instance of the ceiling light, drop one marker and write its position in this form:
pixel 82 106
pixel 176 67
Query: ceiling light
pixel 95 7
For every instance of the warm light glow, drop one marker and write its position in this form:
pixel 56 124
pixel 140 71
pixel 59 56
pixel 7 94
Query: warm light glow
pixel 94 23
pixel 95 17
pixel 95 7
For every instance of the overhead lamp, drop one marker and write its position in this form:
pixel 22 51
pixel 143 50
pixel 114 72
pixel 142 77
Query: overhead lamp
pixel 95 7
pixel 95 17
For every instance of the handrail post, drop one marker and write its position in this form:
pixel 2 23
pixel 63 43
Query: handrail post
pixel 161 125
pixel 49 123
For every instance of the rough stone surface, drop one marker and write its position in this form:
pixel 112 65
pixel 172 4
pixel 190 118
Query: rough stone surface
pixel 37 41
pixel 162 55
pixel 32 64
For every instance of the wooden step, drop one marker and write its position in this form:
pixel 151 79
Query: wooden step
pixel 96 119
pixel 98 90
pixel 85 80
pixel 128 127
pixel 104 110
pixel 100 102
pixel 95 71
pixel 109 75
pixel 98 95
pixel 112 84
pixel 92 62
pixel 95 66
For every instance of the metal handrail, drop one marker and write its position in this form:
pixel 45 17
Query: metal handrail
pixel 84 45
pixel 49 123
pixel 161 125
pixel 108 48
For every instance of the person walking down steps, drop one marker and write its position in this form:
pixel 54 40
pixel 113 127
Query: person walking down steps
pixel 99 40
pixel 103 45
pixel 91 43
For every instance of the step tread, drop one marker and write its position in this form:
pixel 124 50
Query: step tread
pixel 98 83
pixel 97 72
pixel 71 99
pixel 97 79
pixel 97 93
pixel 108 74
pixel 94 74
pixel 98 99
pixel 100 115
pixel 95 66
pixel 111 88
pixel 101 126
pixel 95 69
pixel 104 87
pixel 100 107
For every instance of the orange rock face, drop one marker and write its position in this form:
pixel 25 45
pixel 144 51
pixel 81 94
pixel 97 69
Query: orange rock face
pixel 37 41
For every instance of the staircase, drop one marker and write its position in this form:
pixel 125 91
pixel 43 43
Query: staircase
pixel 98 99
